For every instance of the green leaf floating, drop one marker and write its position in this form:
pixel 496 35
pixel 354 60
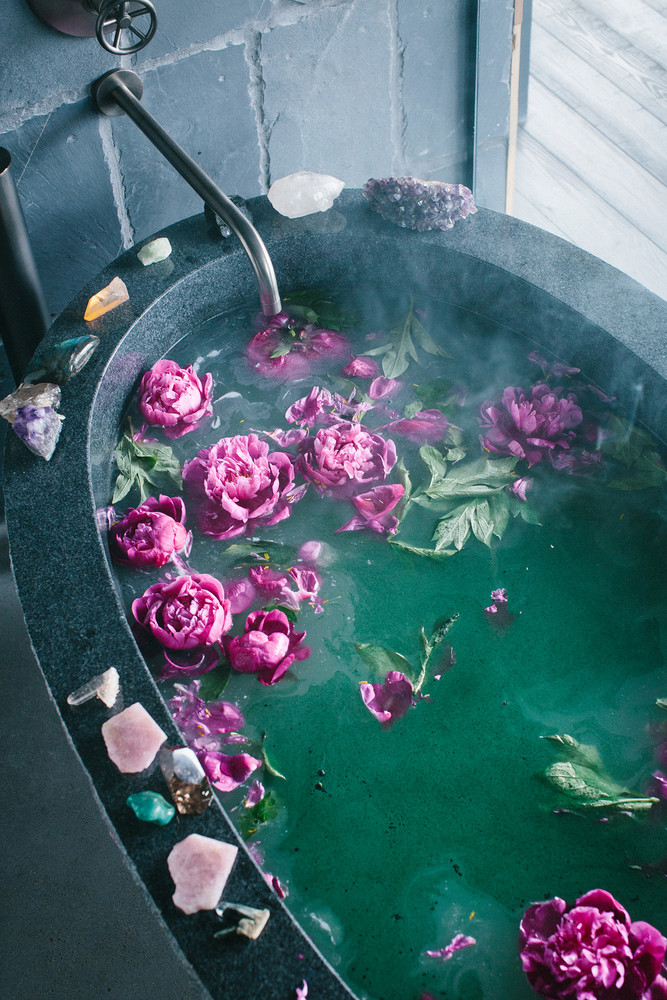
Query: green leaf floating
pixel 214 682
pixel 632 447
pixel 404 340
pixel 149 466
pixel 381 659
pixel 263 811
pixel 582 781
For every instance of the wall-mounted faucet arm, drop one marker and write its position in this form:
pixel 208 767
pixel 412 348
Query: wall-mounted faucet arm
pixel 118 93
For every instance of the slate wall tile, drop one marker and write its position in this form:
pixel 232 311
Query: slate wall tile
pixel 37 62
pixel 62 179
pixel 181 26
pixel 328 104
pixel 438 87
pixel 203 103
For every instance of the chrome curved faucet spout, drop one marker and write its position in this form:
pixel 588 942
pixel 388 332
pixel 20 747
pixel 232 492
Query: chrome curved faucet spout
pixel 119 92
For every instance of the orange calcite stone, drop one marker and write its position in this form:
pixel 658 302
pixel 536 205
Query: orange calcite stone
pixel 108 298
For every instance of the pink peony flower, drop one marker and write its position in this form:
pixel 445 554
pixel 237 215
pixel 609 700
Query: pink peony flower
pixel 531 427
pixel 151 534
pixel 308 409
pixel 239 485
pixel 284 351
pixel 197 718
pixel 227 772
pixel 374 508
pixel 458 942
pixel 429 425
pixel 185 611
pixel 382 387
pixel 361 367
pixel 344 455
pixel 389 701
pixel 174 398
pixel 268 646
pixel 590 951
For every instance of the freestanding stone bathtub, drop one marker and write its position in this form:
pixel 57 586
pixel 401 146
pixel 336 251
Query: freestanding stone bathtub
pixel 552 293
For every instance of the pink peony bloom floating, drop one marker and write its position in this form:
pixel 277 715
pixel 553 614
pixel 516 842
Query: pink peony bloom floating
pixel 307 409
pixel 361 367
pixel 389 701
pixel 185 611
pixel 197 718
pixel 340 457
pixel 531 427
pixel 238 484
pixel 174 398
pixel 382 387
pixel 427 426
pixel 458 942
pixel 374 510
pixel 591 951
pixel 283 350
pixel 268 647
pixel 151 534
pixel 227 772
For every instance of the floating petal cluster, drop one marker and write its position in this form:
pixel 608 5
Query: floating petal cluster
pixel 174 398
pixel 591 951
pixel 533 425
pixel 286 350
pixel 151 534
pixel 268 646
pixel 417 204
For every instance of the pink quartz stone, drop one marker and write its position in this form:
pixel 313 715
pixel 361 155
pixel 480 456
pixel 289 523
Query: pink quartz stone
pixel 133 738
pixel 200 867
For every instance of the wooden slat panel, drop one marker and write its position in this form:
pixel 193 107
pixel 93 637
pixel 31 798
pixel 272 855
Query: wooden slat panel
pixel 612 55
pixel 635 20
pixel 627 187
pixel 600 101
pixel 588 220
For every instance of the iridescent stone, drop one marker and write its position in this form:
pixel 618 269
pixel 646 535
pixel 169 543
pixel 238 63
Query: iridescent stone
pixel 151 807
pixel 304 193
pixel 64 360
pixel 251 924
pixel 155 251
pixel 39 428
pixel 43 394
pixel 200 867
pixel 188 784
pixel 133 739
pixel 104 686
pixel 106 299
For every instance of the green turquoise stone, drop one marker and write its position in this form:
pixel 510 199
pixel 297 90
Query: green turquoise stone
pixel 151 807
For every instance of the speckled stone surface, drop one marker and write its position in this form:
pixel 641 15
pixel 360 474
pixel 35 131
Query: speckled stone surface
pixel 552 293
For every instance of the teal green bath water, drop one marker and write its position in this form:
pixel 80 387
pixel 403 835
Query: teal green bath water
pixel 391 842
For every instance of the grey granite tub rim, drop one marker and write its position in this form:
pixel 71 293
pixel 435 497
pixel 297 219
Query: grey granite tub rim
pixel 491 263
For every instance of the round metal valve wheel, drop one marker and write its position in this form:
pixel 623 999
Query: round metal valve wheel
pixel 138 18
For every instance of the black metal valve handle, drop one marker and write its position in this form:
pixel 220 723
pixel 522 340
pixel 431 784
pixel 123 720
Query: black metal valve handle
pixel 117 16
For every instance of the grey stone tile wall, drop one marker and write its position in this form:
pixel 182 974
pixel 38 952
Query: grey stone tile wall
pixel 252 89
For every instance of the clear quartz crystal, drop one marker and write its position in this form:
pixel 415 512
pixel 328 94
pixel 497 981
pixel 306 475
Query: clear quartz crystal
pixel 155 251
pixel 186 778
pixel 41 394
pixel 104 686
pixel 304 193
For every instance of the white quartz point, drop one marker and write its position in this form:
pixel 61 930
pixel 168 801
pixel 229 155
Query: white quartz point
pixel 155 251
pixel 105 687
pixel 304 193
pixel 133 738
pixel 200 867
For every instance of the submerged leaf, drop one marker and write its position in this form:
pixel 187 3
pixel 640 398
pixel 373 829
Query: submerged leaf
pixel 267 763
pixel 635 448
pixel 148 465
pixel 402 345
pixel 266 809
pixel 662 703
pixel 214 682
pixel 381 659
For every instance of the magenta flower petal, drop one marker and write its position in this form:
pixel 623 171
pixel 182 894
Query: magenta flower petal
pixel 382 387
pixel 340 457
pixel 428 425
pixel 361 368
pixel 302 991
pixel 256 793
pixel 590 950
pixel 307 409
pixel 241 594
pixel 306 346
pixel 228 772
pixel 189 662
pixel 197 718
pixel 185 611
pixel 389 701
pixel 379 500
pixel 275 585
pixel 151 534
pixel 458 942
pixel 174 398
pixel 520 487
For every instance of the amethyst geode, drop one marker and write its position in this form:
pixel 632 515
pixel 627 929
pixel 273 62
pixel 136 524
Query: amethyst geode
pixel 416 204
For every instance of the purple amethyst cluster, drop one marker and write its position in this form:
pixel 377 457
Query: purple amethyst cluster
pixel 416 204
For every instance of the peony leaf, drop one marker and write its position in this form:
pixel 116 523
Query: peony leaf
pixel 481 523
pixel 661 703
pixel 122 488
pixel 314 306
pixel 420 551
pixel 580 753
pixel 440 630
pixel 425 340
pixel 145 464
pixel 435 461
pixel 250 553
pixel 214 682
pixel 454 529
pixel 632 447
pixel 266 809
pixel 281 351
pixel 267 763
pixel 382 660
pixel 401 347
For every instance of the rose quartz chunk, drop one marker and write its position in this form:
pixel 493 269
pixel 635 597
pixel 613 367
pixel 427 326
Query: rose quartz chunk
pixel 133 738
pixel 200 868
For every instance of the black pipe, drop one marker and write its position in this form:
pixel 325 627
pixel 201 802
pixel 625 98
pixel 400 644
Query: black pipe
pixel 24 318
pixel 118 92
